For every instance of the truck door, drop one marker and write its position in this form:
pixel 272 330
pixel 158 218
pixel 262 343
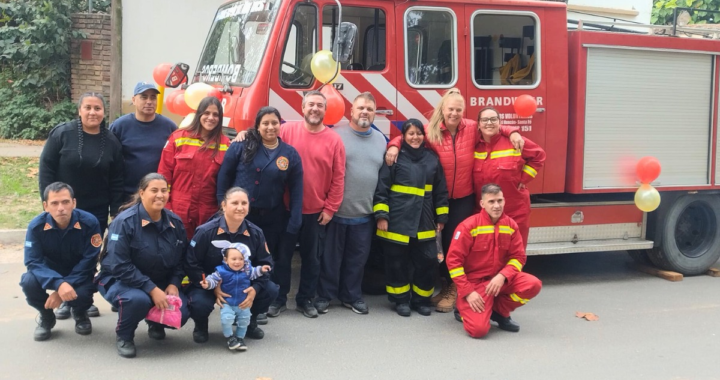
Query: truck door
pixel 505 61
pixel 370 68
pixel 429 57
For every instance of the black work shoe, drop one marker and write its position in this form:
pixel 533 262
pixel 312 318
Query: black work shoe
pixel 307 309
pixel 62 312
pixel 262 319
pixel 243 346
pixel 45 323
pixel 126 348
pixel 254 332
pixel 200 336
pixel 275 310
pixel 358 306
pixel 505 323
pixel 321 305
pixel 93 311
pixel 83 326
pixel 424 310
pixel 403 309
pixel 457 315
pixel 113 309
pixel 156 331
pixel 232 343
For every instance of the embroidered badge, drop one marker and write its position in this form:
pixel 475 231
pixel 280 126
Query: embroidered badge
pixel 266 248
pixel 47 227
pixel 145 222
pixel 220 231
pixel 77 226
pixel 96 240
pixel 192 243
pixel 457 235
pixel 28 244
pixel 282 163
pixel 114 237
pixel 172 225
pixel 246 233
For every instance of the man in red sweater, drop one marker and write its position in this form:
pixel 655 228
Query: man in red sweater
pixel 323 161
pixel 485 261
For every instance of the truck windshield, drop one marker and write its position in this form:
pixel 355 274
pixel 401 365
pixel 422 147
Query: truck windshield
pixel 236 43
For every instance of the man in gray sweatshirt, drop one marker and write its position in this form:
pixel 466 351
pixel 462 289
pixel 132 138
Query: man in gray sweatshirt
pixel 350 231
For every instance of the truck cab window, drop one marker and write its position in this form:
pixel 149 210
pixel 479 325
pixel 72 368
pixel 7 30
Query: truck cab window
pixel 300 45
pixel 430 47
pixel 504 49
pixel 369 50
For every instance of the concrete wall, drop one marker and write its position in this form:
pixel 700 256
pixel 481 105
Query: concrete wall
pixel 160 31
pixel 90 57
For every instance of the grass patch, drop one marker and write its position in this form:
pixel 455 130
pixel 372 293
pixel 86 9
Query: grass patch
pixel 19 191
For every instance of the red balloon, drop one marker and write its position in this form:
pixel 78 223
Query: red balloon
pixel 335 109
pixel 216 93
pixel 161 72
pixel 525 105
pixel 648 169
pixel 170 101
pixel 181 107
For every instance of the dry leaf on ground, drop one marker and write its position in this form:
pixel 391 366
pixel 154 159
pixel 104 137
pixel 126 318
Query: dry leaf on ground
pixel 587 316
pixel 32 172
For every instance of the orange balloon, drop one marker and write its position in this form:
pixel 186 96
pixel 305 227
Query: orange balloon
pixel 648 169
pixel 335 109
pixel 525 105
pixel 170 101
pixel 161 72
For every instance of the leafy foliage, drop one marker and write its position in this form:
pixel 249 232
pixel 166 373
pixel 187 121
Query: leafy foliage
pixel 22 117
pixel 662 12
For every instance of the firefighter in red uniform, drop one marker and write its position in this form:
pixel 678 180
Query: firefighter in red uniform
pixel 485 260
pixel 496 161
pixel 191 161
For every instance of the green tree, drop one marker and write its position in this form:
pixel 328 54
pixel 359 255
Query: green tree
pixel 662 12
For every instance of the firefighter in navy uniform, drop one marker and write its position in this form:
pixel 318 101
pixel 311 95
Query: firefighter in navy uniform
pixel 410 205
pixel 202 258
pixel 143 262
pixel 61 250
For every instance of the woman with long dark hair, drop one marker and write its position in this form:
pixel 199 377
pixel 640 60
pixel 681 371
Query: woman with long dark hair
pixel 190 162
pixel 143 264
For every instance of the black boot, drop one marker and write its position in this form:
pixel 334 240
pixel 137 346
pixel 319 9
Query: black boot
pixel 45 323
pixel 457 315
pixel 253 331
pixel 93 311
pixel 505 323
pixel 83 326
pixel 63 312
pixel 200 334
pixel 126 348
pixel 156 331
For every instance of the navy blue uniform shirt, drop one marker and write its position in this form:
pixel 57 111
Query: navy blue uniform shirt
pixel 144 254
pixel 265 178
pixel 55 256
pixel 203 257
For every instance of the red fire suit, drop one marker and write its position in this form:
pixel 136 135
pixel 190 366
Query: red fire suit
pixel 478 252
pixel 498 162
pixel 191 171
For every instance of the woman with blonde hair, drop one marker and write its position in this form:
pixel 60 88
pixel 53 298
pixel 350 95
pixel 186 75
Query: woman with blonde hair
pixel 453 138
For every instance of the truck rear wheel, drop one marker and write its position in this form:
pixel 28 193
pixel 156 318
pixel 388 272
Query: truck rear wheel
pixel 689 239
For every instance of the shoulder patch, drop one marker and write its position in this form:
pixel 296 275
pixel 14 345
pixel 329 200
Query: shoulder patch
pixel 96 240
pixel 192 243
pixel 266 248
pixel 282 163
pixel 457 235
pixel 114 237
pixel 28 244
pixel 77 226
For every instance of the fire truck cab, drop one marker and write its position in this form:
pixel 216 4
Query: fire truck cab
pixel 605 99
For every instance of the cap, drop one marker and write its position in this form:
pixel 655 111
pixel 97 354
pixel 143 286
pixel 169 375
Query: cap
pixel 144 86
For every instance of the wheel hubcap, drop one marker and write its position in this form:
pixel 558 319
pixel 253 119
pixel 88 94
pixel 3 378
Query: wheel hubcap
pixel 695 229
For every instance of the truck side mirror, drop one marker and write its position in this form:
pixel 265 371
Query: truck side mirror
pixel 177 75
pixel 344 42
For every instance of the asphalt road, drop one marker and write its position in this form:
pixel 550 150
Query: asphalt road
pixel 649 328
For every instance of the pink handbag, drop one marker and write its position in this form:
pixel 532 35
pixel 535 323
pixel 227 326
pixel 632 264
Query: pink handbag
pixel 171 317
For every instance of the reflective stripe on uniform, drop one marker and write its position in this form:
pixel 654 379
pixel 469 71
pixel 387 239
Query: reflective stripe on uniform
pixel 517 298
pixel 480 230
pixel 505 153
pixel 423 293
pixel 426 234
pixel 506 230
pixel 400 290
pixel 428 188
pixel 381 207
pixel 530 171
pixel 197 142
pixel 442 210
pixel 481 155
pixel 393 236
pixel 516 264
pixel 408 190
pixel 460 271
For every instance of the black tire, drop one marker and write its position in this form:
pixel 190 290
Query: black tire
pixel 689 237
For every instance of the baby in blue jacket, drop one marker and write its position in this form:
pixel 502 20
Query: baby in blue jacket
pixel 236 274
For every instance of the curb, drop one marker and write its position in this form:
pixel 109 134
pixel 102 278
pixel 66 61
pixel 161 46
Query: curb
pixel 10 237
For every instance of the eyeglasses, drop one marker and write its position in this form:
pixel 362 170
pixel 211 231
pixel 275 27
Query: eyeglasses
pixel 487 120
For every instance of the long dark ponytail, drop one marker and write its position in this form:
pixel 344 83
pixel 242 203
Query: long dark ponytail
pixel 253 139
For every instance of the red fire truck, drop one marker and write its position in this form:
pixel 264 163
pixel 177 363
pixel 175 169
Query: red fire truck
pixel 605 99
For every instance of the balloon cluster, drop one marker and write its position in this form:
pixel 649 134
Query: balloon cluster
pixel 183 102
pixel 647 198
pixel 326 70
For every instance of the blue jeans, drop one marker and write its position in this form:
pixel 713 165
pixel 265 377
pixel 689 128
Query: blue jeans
pixel 233 314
